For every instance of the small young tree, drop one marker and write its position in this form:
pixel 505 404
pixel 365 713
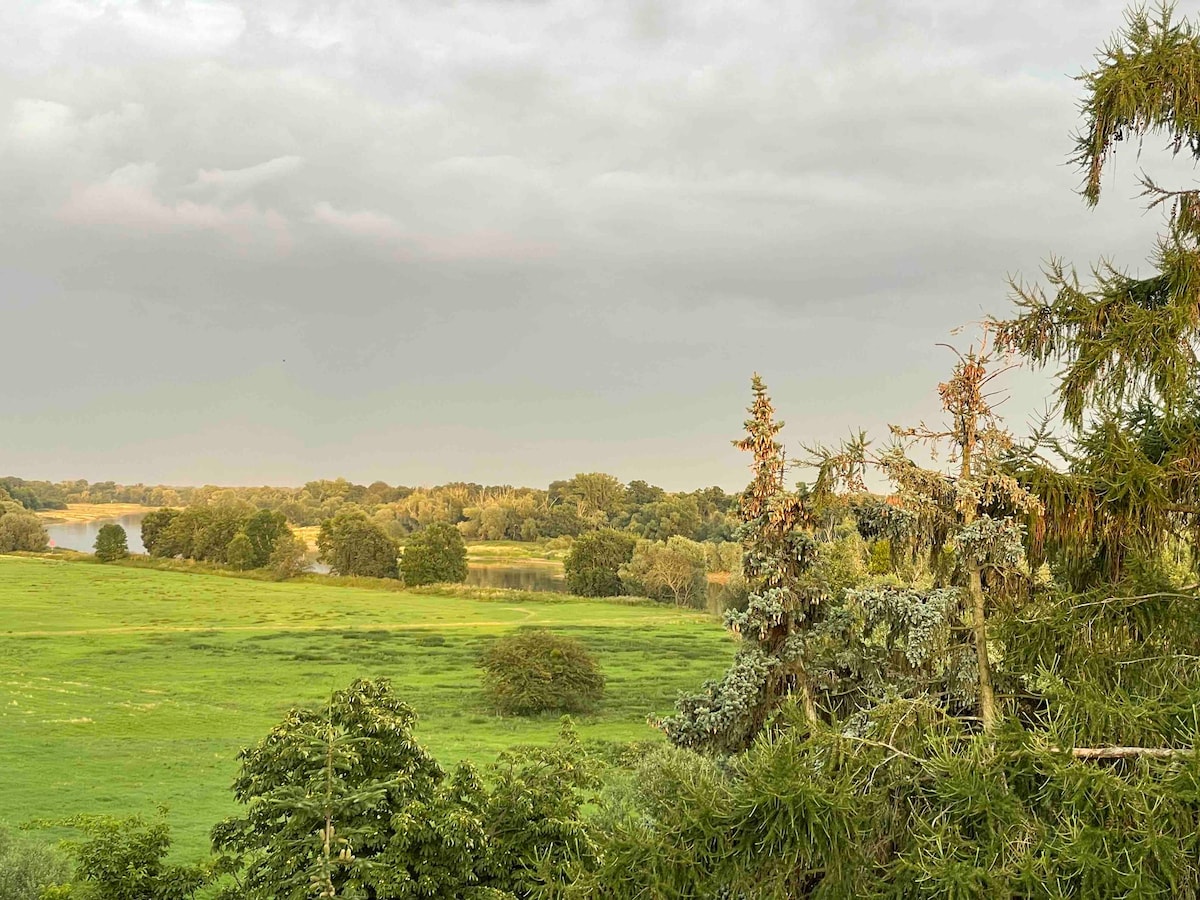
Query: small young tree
pixel 111 543
pixel 593 564
pixel 726 715
pixel 320 793
pixel 979 512
pixel 434 554
pixel 533 671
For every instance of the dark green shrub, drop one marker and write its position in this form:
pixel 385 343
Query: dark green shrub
pixel 533 671
pixel 592 566
pixel 434 554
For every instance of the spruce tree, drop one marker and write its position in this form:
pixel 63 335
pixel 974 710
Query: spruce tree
pixel 777 550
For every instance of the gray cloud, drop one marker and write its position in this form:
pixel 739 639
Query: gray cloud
pixel 506 241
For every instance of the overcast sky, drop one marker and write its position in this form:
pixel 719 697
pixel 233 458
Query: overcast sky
pixel 509 241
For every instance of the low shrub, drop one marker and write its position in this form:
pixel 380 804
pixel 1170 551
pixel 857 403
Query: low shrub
pixel 27 866
pixel 533 671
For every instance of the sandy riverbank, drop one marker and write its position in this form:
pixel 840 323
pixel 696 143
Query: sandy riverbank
pixel 90 512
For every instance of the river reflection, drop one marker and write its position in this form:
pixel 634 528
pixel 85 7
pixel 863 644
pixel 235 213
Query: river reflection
pixel 521 578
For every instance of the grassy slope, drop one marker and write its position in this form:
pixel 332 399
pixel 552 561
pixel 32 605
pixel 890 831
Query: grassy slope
pixel 123 688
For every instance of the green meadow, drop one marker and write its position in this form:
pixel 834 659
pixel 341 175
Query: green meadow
pixel 123 688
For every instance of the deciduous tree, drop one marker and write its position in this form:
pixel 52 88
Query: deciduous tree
pixel 111 543
pixel 434 554
pixel 593 563
pixel 20 530
pixel 350 544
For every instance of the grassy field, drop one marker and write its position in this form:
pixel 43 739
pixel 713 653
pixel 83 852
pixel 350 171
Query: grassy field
pixel 122 688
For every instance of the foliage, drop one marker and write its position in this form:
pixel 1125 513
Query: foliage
pixel 593 563
pixel 534 670
pixel 343 802
pixel 723 556
pixel 350 544
pixel 566 508
pixel 1126 345
pixel 125 859
pixel 154 528
pixel 434 554
pixel 778 550
pixel 264 529
pixel 20 530
pixel 287 559
pixel 673 570
pixel 320 790
pixel 239 554
pixel 111 543
pixel 33 495
pixel 28 866
pixel 917 807
pixel 932 745
pixel 228 533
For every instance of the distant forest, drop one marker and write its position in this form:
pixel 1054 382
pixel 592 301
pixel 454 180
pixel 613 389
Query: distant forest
pixel 570 507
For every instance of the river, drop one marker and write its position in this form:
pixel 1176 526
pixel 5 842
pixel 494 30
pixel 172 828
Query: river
pixel 82 535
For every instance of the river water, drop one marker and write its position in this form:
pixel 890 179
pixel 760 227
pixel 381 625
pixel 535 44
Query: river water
pixel 82 535
pixel 522 578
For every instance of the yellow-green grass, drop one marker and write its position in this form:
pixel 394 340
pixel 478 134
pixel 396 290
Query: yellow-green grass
pixel 122 688
pixel 90 512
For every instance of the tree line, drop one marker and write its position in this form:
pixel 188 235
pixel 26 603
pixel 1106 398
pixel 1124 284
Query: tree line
pixel 567 507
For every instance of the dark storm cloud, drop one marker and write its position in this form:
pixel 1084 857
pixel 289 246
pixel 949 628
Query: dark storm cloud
pixel 511 240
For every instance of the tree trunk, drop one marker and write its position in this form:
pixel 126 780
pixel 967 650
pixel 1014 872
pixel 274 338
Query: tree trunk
pixel 987 695
pixel 806 694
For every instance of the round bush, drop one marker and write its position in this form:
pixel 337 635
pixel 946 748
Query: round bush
pixel 533 671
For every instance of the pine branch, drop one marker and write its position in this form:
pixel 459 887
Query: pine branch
pixel 1094 753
